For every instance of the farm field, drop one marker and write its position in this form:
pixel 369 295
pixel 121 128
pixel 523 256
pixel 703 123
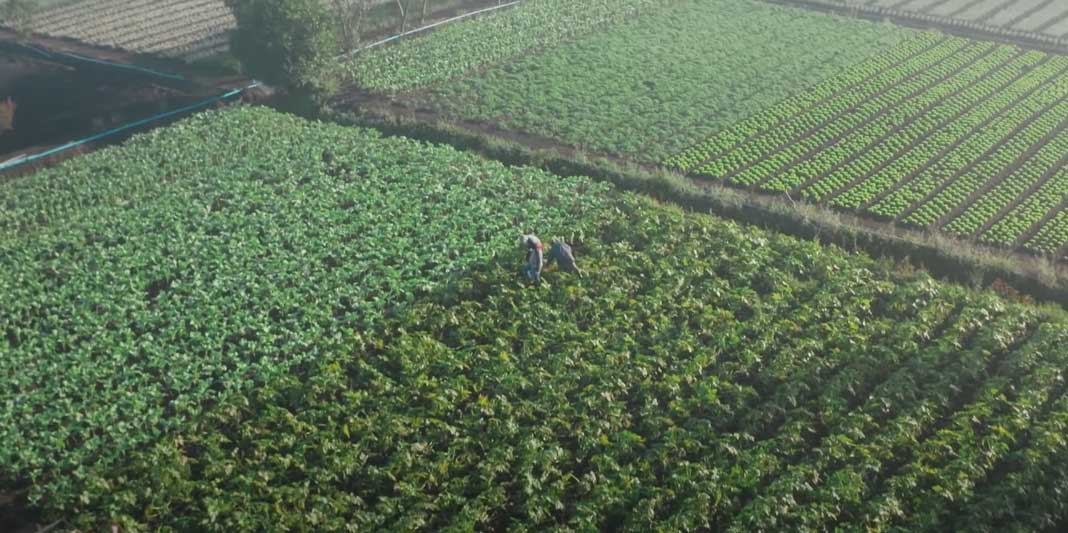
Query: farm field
pixel 460 48
pixel 328 328
pixel 653 86
pixel 1044 20
pixel 183 29
pixel 920 129
pixel 193 273
pixel 968 138
pixel 188 30
pixel 926 131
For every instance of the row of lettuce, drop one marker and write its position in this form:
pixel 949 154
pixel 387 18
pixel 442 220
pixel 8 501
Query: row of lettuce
pixel 941 133
pixel 320 328
pixel 930 132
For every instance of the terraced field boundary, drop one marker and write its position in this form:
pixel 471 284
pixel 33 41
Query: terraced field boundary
pixel 962 28
pixel 949 258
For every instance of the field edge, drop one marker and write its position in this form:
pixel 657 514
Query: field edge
pixel 944 257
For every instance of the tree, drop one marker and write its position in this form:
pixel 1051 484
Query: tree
pixel 18 14
pixel 351 15
pixel 287 43
pixel 403 8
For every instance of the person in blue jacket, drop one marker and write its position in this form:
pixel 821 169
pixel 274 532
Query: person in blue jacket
pixel 561 254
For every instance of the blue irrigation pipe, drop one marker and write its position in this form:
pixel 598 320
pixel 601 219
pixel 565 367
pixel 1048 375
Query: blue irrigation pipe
pixel 51 55
pixel 19 161
pixel 22 160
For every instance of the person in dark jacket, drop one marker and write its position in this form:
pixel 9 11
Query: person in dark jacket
pixel 561 254
pixel 535 257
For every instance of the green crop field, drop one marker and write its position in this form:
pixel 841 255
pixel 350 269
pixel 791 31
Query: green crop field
pixel 321 328
pixel 457 49
pixel 966 137
pixel 142 284
pixel 649 87
pixel 930 132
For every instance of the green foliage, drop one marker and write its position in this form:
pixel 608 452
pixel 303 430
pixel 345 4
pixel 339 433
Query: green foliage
pixel 660 83
pixel 289 43
pixel 319 328
pixel 703 375
pixel 142 284
pixel 940 134
pixel 460 48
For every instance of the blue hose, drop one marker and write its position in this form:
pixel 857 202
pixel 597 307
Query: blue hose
pixel 114 131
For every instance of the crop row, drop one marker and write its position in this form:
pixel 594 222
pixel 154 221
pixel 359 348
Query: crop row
pixel 329 331
pixel 886 122
pixel 1053 236
pixel 984 166
pixel 1046 161
pixel 940 173
pixel 969 137
pixel 921 76
pixel 656 85
pixel 879 155
pixel 781 113
pixel 192 273
pixel 809 119
pixel 907 164
pixel 762 383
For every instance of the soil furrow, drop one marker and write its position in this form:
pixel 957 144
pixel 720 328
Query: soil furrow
pixel 998 8
pixel 1005 173
pixel 941 155
pixel 830 120
pixel 1023 197
pixel 1026 236
pixel 822 101
pixel 965 397
pixel 1023 16
pixel 1052 22
pixel 883 112
pixel 897 129
pixel 964 7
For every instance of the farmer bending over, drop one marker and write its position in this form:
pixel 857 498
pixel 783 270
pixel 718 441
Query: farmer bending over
pixel 535 257
pixel 561 254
